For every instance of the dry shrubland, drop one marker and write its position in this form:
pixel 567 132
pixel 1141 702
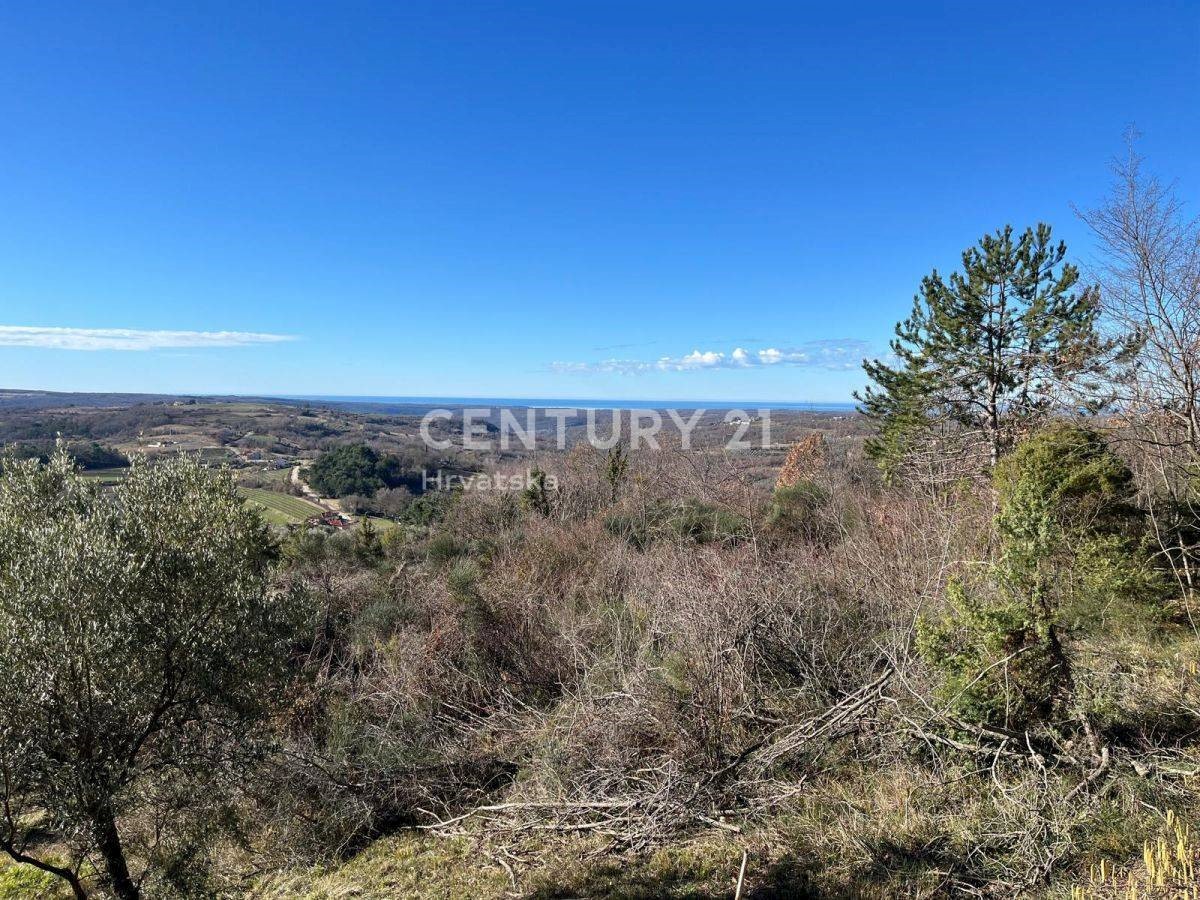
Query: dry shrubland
pixel 620 684
pixel 968 671
pixel 682 661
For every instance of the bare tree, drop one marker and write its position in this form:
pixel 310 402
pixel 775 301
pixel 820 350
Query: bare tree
pixel 1150 280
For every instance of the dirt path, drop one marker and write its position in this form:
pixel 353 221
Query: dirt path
pixel 327 503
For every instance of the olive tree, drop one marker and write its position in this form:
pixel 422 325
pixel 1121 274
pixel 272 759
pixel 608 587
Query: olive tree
pixel 142 645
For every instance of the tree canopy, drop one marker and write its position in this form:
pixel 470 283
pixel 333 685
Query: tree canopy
pixel 988 353
pixel 357 469
pixel 140 638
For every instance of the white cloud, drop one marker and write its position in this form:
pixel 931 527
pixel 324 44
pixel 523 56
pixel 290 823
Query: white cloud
pixel 128 338
pixel 826 354
pixel 694 360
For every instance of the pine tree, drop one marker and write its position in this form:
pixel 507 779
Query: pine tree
pixel 535 496
pixel 1074 561
pixel 990 352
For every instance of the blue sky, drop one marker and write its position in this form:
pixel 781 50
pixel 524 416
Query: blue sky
pixel 540 199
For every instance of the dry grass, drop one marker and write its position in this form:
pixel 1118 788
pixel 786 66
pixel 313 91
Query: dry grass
pixel 1167 869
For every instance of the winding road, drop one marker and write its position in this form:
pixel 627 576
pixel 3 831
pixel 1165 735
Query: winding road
pixel 311 496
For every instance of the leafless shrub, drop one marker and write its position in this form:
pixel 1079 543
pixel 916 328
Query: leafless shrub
pixel 1150 275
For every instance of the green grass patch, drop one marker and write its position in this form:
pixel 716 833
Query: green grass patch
pixel 24 882
pixel 381 525
pixel 106 476
pixel 394 868
pixel 417 866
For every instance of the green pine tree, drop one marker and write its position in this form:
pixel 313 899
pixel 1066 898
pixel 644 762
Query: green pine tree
pixel 536 496
pixel 990 352
pixel 367 545
pixel 1074 562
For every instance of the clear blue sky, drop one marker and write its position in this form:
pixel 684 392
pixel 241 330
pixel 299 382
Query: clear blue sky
pixel 540 199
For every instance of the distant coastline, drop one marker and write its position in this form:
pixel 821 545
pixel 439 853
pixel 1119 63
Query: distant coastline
pixel 580 403
pixel 16 398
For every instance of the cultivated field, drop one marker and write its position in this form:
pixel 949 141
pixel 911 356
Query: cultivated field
pixel 106 476
pixel 280 509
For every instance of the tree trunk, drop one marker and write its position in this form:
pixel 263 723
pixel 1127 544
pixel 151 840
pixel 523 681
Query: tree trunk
pixel 108 842
pixel 993 428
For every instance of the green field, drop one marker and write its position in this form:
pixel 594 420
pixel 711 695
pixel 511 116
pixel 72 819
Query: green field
pixel 381 525
pixel 277 508
pixel 280 509
pixel 106 476
pixel 277 478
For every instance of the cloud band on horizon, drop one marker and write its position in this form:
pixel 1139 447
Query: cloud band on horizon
pixel 56 338
pixel 835 355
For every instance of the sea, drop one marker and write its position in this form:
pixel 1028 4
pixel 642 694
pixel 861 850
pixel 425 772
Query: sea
pixel 568 403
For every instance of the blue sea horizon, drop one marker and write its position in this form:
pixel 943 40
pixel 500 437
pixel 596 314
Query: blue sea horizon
pixel 572 403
